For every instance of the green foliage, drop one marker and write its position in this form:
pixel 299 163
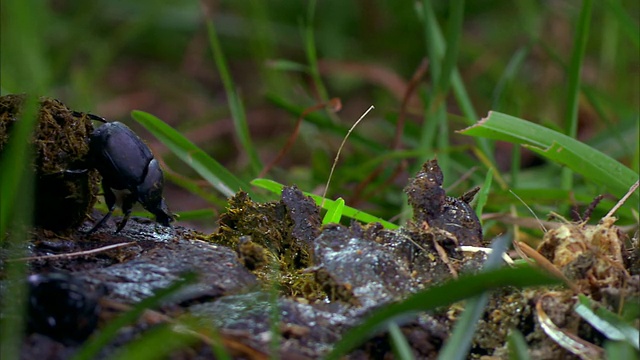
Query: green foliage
pixel 490 56
pixel 435 296
pixel 560 148
pixel 91 347
pixel 328 203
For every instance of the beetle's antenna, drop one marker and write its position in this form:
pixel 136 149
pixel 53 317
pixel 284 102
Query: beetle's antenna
pixel 335 161
pixel 90 116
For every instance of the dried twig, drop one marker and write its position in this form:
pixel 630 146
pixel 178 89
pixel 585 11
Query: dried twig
pixel 74 254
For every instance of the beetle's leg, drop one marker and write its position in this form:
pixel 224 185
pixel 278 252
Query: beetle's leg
pixel 110 199
pixel 127 205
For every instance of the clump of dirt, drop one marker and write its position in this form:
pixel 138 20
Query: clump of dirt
pixel 432 207
pixel 274 240
pixel 65 188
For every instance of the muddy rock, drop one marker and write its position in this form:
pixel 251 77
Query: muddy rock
pixel 357 269
pixel 431 206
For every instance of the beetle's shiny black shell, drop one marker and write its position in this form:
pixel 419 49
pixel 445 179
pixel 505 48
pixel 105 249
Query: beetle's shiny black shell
pixel 120 156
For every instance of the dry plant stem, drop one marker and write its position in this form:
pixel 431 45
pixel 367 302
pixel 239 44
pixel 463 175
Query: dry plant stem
pixel 568 341
pixel 544 263
pixel 74 254
pixel 543 228
pixel 417 77
pixel 632 189
pixel 461 179
pixel 445 258
pixel 335 161
pixel 443 254
pixel 486 250
pixel 334 104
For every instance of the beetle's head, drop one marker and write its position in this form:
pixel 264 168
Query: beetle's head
pixel 162 213
pixel 150 194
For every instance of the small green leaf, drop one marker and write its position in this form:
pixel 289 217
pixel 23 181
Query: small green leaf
pixel 334 212
pixel 347 211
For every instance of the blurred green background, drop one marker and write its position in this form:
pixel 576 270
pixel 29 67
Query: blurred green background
pixel 111 57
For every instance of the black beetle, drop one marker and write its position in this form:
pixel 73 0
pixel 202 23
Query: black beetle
pixel 129 172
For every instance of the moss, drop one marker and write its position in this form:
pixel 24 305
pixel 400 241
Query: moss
pixel 65 188
pixel 273 240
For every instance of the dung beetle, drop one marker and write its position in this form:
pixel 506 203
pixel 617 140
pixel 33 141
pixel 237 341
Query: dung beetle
pixel 129 172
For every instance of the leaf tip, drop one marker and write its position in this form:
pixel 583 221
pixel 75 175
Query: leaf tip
pixel 479 123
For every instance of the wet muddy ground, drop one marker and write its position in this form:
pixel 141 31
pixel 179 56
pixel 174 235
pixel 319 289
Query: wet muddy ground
pixel 328 278
pixel 272 271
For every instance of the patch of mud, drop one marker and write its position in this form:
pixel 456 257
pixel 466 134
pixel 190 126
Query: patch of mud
pixel 273 279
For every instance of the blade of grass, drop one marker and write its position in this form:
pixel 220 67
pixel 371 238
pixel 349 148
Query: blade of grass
pixel 517 346
pixel 459 343
pixel 560 148
pixel 608 323
pixel 16 210
pixel 575 66
pixel 312 55
pixel 436 296
pixel 235 102
pixel 347 211
pixel 434 36
pixel 146 347
pixel 212 171
pixel 626 22
pixel 399 343
pixel 620 350
pixel 483 195
pixel 322 121
pixel 91 347
pixel 334 212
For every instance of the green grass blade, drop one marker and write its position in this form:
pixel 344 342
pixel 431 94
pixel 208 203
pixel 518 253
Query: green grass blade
pixel 458 345
pixel 16 216
pixel 235 103
pixel 434 37
pixel 91 347
pixel 334 212
pixel 628 25
pixel 212 171
pixel 16 153
pixel 312 56
pixel 608 323
pixel 436 296
pixel 483 195
pixel 328 203
pixel 517 346
pixel 399 343
pixel 324 122
pixel 560 148
pixel 575 66
pixel 146 347
pixel 454 30
pixel 620 350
